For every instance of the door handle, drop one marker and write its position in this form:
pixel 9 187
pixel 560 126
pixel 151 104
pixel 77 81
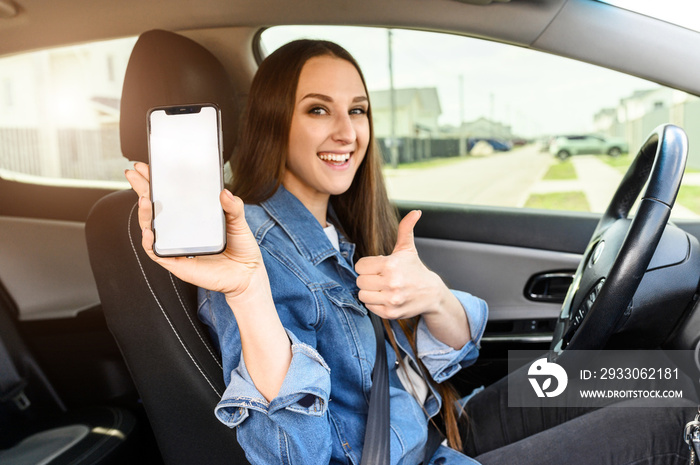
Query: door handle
pixel 550 286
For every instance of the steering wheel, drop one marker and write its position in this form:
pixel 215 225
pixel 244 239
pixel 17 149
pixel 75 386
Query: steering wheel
pixel 620 249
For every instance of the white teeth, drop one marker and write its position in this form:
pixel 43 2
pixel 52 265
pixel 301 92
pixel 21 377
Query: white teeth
pixel 336 158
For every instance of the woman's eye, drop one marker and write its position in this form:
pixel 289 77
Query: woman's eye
pixel 318 111
pixel 358 111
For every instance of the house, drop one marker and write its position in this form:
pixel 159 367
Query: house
pixel 483 128
pixel 604 120
pixel 416 112
pixel 637 115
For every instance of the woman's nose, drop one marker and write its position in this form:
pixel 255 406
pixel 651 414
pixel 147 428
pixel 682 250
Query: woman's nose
pixel 344 130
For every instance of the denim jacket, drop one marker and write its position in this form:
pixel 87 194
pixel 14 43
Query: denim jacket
pixel 320 412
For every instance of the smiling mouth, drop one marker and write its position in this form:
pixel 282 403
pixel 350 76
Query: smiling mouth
pixel 336 159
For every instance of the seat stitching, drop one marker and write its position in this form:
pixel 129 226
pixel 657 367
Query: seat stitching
pixel 143 273
pixel 196 330
pixel 655 456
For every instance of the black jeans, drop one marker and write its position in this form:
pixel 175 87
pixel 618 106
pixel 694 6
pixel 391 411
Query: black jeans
pixel 619 435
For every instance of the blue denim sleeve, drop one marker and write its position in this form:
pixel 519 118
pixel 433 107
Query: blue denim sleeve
pixel 297 420
pixel 293 423
pixel 305 389
pixel 441 360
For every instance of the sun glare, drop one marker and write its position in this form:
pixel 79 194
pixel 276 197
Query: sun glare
pixel 680 12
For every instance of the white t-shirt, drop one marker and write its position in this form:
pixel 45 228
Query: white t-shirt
pixel 332 234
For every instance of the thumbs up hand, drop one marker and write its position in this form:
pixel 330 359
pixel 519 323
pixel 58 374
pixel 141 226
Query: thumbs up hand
pixel 399 285
pixel 404 238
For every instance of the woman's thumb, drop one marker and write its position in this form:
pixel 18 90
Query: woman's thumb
pixel 404 239
pixel 235 213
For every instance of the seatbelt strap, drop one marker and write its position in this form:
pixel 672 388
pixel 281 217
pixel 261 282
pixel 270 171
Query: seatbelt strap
pixel 435 438
pixel 376 449
pixel 11 383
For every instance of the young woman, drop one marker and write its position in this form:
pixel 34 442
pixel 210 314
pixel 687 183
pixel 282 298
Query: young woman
pixel 317 247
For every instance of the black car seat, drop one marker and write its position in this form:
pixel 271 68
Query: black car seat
pixel 152 314
pixel 36 427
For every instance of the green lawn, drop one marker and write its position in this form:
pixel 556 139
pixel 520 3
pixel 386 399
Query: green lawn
pixel 574 200
pixel 561 171
pixel 689 197
pixel 621 163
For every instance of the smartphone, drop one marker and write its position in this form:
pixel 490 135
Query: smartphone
pixel 184 150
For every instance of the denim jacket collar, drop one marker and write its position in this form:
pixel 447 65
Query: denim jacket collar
pixel 304 230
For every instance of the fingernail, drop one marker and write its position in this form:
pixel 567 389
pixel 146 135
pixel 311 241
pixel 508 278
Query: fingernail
pixel 228 194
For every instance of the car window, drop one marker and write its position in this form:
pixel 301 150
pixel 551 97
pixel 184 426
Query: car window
pixel 469 121
pixel 59 114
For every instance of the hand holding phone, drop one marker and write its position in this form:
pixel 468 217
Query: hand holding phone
pixel 239 269
pixel 186 179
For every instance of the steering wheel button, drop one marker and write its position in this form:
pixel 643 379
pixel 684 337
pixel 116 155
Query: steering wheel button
pixel 597 252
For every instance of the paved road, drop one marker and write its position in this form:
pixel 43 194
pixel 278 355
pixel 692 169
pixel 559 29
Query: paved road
pixel 508 179
pixel 504 179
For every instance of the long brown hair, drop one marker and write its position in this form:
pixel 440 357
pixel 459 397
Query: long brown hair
pixel 258 165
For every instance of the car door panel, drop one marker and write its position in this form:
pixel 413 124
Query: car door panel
pixel 496 273
pixel 494 252
pixel 45 273
pixel 558 231
pixel 34 198
pixel 46 269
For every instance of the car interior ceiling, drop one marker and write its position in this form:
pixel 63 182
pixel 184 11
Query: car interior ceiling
pixel 553 26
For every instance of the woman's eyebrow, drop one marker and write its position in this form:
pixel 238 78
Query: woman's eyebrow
pixel 323 97
pixel 326 98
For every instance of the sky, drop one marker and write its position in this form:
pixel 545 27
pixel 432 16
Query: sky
pixel 536 93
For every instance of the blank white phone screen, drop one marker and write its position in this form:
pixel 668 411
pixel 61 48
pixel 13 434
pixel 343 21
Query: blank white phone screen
pixel 186 181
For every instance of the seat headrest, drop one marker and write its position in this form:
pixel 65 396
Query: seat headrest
pixel 169 69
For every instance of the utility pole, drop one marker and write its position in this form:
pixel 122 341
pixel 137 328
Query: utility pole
pixel 462 138
pixel 394 149
pixel 492 123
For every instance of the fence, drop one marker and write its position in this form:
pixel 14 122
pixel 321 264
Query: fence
pixel 92 154
pixel 411 149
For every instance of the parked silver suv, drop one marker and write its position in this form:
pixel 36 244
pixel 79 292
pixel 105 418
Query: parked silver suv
pixel 564 146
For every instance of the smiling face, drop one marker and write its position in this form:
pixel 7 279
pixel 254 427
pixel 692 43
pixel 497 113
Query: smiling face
pixel 329 132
